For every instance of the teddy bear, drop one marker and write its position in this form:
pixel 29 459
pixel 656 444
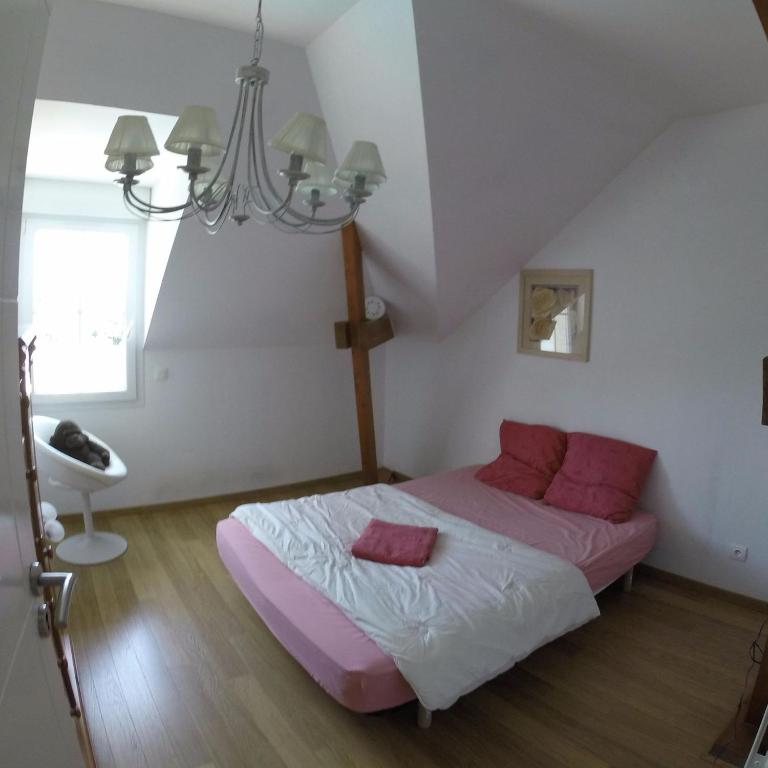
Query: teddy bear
pixel 70 439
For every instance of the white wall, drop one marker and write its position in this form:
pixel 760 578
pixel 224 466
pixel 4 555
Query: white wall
pixel 256 393
pixel 366 70
pixel 226 420
pixel 678 242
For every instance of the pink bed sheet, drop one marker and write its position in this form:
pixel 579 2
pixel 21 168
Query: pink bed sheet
pixel 342 658
pixel 603 551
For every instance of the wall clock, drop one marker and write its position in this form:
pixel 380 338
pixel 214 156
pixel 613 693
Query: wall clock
pixel 375 308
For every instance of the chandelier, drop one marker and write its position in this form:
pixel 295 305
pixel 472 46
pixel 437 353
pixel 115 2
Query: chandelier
pixel 217 191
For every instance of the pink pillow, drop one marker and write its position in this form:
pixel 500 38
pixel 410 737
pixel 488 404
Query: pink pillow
pixel 530 456
pixel 600 477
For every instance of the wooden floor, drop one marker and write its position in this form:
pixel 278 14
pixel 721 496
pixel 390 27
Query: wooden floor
pixel 178 671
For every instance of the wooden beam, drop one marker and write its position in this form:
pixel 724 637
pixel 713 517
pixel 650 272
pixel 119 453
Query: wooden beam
pixel 353 274
pixel 371 333
pixel 761 6
pixel 368 334
pixel 765 391
pixel 341 331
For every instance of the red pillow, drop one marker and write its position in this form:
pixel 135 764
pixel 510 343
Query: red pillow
pixel 530 456
pixel 600 477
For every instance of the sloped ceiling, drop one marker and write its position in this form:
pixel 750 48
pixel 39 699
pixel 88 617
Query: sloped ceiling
pixel 522 131
pixel 529 108
pixel 365 69
pixel 498 121
pixel 292 21
pixel 701 55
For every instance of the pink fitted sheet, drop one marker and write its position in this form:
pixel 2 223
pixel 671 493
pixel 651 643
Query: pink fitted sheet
pixel 603 551
pixel 342 658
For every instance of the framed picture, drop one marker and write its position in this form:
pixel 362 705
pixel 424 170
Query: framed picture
pixel 555 313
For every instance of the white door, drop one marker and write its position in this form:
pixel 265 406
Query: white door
pixel 35 726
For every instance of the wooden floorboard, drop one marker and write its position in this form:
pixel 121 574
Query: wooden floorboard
pixel 179 672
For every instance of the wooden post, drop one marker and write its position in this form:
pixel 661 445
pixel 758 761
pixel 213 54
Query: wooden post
pixel 353 275
pixel 761 6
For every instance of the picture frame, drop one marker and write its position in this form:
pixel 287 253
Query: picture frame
pixel 555 315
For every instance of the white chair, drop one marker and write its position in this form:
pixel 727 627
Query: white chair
pixel 92 546
pixel 755 759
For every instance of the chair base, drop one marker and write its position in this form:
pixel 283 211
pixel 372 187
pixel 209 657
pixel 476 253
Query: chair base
pixel 91 548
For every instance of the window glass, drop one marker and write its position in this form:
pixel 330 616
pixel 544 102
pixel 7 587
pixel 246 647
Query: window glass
pixel 82 306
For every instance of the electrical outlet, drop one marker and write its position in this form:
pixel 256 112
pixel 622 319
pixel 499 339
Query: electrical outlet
pixel 738 552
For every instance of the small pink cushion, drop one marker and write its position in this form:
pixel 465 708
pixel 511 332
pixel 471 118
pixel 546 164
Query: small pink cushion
pixel 530 456
pixel 395 544
pixel 600 477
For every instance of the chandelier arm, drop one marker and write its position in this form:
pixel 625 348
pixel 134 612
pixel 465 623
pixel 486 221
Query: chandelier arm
pixel 262 150
pixel 260 203
pixel 339 221
pixel 235 116
pixel 213 228
pixel 223 207
pixel 147 208
pixel 301 220
pixel 202 208
pixel 288 229
pixel 241 125
pixel 254 170
pixel 304 228
pixel 311 224
pixel 279 216
pixel 140 212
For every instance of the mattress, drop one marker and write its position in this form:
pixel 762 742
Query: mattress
pixel 603 551
pixel 342 658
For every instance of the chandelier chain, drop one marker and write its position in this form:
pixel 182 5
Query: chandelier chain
pixel 258 37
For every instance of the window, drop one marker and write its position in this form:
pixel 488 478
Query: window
pixel 82 300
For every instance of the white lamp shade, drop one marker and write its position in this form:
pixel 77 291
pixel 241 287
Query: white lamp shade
pixel 363 159
pixel 116 164
pixel 319 179
pixel 197 128
pixel 131 135
pixel 303 135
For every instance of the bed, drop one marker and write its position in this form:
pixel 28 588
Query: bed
pixel 342 658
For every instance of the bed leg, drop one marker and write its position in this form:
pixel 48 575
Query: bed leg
pixel 628 576
pixel 423 716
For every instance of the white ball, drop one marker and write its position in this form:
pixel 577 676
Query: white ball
pixel 54 531
pixel 48 511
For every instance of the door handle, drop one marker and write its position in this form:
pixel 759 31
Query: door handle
pixel 39 579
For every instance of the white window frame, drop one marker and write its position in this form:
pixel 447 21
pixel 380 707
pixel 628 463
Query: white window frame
pixel 137 230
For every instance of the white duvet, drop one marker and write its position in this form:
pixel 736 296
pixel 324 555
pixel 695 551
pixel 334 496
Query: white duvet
pixel 482 603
